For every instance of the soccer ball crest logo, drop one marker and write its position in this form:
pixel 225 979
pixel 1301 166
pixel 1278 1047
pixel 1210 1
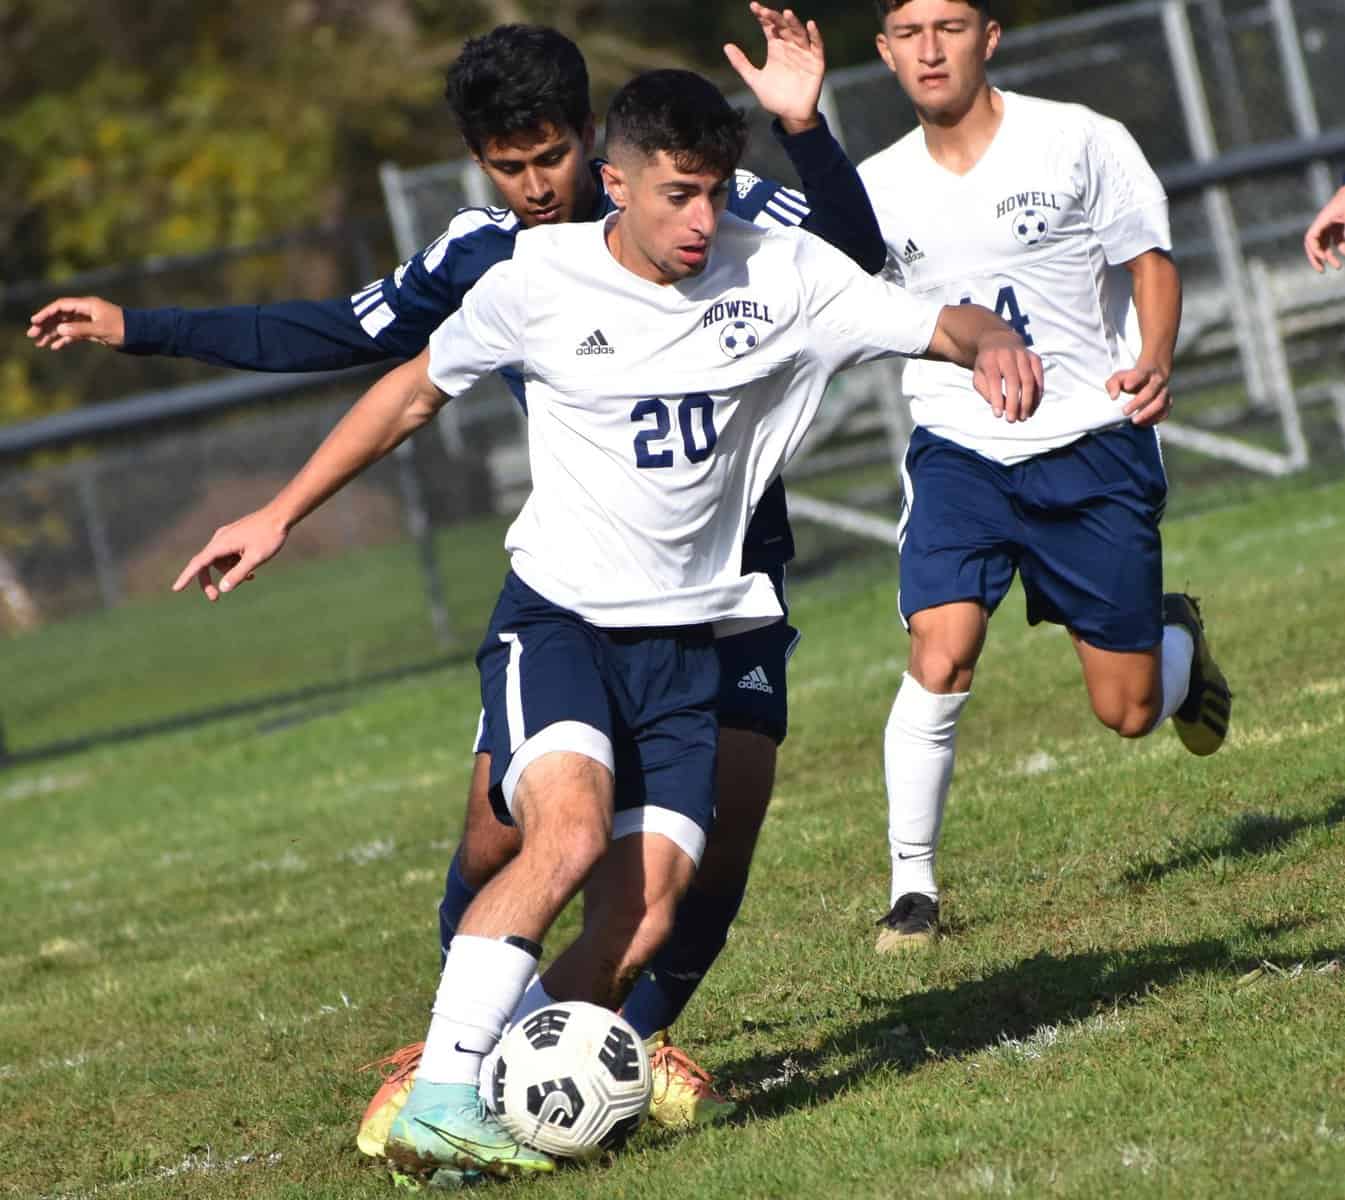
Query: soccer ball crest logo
pixel 1029 226
pixel 738 338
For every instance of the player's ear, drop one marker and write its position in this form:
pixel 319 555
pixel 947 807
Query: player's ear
pixel 993 29
pixel 588 135
pixel 885 51
pixel 614 182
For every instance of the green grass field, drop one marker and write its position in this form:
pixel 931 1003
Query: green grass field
pixel 204 933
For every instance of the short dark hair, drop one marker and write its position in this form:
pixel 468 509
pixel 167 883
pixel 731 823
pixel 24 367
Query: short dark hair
pixel 890 6
pixel 515 79
pixel 683 114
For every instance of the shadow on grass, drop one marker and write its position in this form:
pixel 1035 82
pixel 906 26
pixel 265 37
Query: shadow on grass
pixel 1251 833
pixel 1030 997
pixel 336 696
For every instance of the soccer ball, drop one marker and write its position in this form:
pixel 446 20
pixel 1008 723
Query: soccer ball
pixel 1029 226
pixel 571 1079
pixel 737 338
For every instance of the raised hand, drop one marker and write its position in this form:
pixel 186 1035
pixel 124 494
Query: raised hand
pixel 235 552
pixel 78 319
pixel 789 85
pixel 1326 234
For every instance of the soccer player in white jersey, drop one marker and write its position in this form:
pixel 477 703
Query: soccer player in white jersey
pixel 520 98
pixel 1048 214
pixel 598 673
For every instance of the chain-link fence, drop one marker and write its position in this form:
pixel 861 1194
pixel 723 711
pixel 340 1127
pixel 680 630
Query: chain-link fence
pixel 87 542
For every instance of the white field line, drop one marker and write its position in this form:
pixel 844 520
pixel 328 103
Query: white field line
pixel 1234 548
pixel 204 1163
pixel 1138 1158
pixel 211 1033
pixel 987 1180
pixel 1047 1037
pixel 42 785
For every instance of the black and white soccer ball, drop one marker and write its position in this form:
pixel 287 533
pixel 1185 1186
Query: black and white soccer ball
pixel 737 338
pixel 572 1079
pixel 1029 226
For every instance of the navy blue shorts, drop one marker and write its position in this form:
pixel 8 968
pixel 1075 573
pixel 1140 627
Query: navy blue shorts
pixel 1079 525
pixel 753 691
pixel 753 683
pixel 640 701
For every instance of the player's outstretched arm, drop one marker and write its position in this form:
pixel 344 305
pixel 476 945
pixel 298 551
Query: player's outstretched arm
pixel 789 85
pixel 1157 290
pixel 394 408
pixel 78 319
pixel 1326 234
pixel 389 320
pixel 291 335
pixel 1005 372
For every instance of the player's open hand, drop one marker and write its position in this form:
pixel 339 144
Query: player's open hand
pixel 78 319
pixel 235 552
pixel 1146 386
pixel 1008 376
pixel 1326 234
pixel 789 85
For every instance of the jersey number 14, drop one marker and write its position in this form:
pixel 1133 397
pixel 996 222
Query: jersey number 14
pixel 1006 308
pixel 695 420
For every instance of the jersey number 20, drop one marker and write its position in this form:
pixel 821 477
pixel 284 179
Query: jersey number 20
pixel 695 419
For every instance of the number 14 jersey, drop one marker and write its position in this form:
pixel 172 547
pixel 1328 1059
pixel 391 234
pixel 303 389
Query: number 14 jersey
pixel 1037 231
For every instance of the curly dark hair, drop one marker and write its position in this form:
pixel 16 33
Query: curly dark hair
pixel 681 113
pixel 516 79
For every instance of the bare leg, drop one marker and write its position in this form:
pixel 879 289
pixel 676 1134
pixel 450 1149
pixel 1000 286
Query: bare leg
pixel 564 805
pixel 629 904
pixel 487 842
pixel 1125 687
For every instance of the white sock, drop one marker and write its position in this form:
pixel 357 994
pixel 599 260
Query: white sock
pixel 1175 654
pixel 918 746
pixel 534 998
pixel 481 985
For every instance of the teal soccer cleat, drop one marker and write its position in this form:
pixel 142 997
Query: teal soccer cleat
pixel 444 1137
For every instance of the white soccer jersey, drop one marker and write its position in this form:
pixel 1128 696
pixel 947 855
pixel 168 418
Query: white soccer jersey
pixel 657 415
pixel 1036 231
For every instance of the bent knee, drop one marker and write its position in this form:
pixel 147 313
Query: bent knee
pixel 1128 718
pixel 942 675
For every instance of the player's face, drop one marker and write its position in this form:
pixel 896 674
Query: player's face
pixel 543 173
pixel 938 50
pixel 668 216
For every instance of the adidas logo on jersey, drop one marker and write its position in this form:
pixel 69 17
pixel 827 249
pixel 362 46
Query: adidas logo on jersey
pixel 755 681
pixel 911 253
pixel 595 343
pixel 744 182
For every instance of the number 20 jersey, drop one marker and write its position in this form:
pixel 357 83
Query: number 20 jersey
pixel 1037 231
pixel 658 415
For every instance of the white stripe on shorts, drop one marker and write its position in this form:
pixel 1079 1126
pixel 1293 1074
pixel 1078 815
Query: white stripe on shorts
pixel 907 501
pixel 678 828
pixel 513 692
pixel 572 736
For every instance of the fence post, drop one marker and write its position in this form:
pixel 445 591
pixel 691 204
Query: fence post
pixel 1218 207
pixel 422 533
pixel 1277 366
pixel 1301 103
pixel 104 566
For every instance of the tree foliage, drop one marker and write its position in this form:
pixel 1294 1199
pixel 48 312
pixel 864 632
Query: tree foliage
pixel 136 128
